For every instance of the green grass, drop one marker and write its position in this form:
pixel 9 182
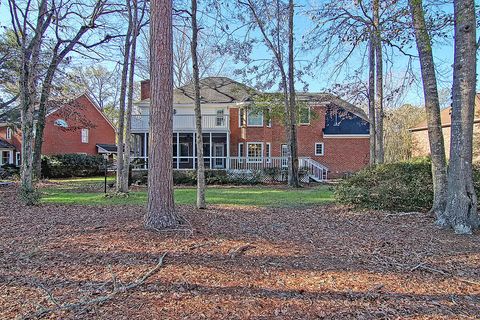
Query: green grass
pixel 248 196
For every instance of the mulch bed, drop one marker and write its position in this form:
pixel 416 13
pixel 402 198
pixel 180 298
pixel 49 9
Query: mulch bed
pixel 324 262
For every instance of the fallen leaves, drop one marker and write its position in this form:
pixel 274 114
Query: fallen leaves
pixel 235 263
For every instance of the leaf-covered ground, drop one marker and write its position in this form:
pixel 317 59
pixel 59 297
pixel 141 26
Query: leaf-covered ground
pixel 319 262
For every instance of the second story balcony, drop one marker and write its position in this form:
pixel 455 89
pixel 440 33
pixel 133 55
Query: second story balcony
pixel 185 122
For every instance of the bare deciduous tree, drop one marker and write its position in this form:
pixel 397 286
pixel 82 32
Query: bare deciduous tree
pixel 432 107
pixel 461 210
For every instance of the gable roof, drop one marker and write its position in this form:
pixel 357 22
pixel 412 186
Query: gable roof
pixel 214 90
pixel 329 98
pixel 226 90
pixel 5 145
pixel 13 115
pixel 446 117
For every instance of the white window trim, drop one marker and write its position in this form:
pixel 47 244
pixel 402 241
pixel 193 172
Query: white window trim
pixel 257 159
pixel 323 149
pixel 18 158
pixel 86 136
pixel 255 125
pixel 309 118
pixel 9 133
pixel 268 152
pixel 241 118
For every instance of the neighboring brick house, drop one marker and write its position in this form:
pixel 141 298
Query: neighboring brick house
pixel 421 145
pixel 78 126
pixel 333 135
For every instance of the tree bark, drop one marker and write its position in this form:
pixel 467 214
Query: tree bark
pixel 461 211
pixel 371 98
pixel 292 137
pixel 201 204
pixel 128 116
pixel 160 208
pixel 432 107
pixel 28 99
pixel 120 185
pixel 379 150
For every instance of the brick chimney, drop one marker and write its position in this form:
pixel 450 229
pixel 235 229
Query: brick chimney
pixel 145 89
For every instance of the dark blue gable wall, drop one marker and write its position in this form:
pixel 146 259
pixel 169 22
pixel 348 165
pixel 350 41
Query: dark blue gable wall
pixel 339 121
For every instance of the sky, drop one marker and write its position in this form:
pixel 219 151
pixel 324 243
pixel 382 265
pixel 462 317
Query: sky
pixel 324 78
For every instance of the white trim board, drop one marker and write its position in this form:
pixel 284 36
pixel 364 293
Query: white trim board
pixel 346 136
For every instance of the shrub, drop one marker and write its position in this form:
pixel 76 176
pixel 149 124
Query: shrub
pixel 402 186
pixel 9 171
pixel 72 165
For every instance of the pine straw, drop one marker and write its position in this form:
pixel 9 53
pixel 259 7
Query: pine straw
pixel 238 263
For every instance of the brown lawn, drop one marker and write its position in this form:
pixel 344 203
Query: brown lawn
pixel 323 262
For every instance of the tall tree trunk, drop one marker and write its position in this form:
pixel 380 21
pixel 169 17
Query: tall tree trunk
pixel 293 168
pixel 461 211
pixel 128 116
pixel 28 99
pixel 379 150
pixel 198 112
pixel 122 105
pixel 160 208
pixel 432 107
pixel 371 97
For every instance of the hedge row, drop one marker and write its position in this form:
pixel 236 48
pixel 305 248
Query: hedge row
pixel 72 165
pixel 402 186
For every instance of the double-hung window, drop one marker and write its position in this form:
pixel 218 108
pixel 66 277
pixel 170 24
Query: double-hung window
pixel 268 152
pixel 220 119
pixel 319 150
pixel 254 151
pixel 85 135
pixel 254 118
pixel 304 115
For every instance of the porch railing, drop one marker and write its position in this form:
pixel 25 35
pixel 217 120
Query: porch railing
pixel 311 168
pixel 185 122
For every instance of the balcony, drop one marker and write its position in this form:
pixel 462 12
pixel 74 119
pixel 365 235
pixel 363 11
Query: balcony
pixel 185 122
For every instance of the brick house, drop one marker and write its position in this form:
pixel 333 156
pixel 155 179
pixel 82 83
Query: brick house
pixel 421 146
pixel 78 126
pixel 333 135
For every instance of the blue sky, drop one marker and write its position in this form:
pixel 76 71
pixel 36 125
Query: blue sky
pixel 324 79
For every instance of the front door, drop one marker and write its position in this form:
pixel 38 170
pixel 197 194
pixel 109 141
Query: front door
pixel 218 153
pixel 284 156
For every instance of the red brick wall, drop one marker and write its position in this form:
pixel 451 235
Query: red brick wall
pixel 16 139
pixel 60 141
pixel 341 155
pixel 145 89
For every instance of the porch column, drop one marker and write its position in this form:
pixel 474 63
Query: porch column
pixel 194 147
pixel 210 150
pixel 227 161
pixel 145 155
pixel 178 150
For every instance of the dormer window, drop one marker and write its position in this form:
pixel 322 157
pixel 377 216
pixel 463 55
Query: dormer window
pixel 61 123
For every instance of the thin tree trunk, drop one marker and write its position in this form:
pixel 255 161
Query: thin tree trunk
pixel 133 44
pixel 198 112
pixel 292 137
pixel 461 211
pixel 379 150
pixel 122 105
pixel 160 208
pixel 371 98
pixel 432 107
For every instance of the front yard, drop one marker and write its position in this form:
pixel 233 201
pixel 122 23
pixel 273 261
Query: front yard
pixel 255 253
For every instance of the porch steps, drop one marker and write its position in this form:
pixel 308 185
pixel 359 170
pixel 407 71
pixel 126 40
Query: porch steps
pixel 316 171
